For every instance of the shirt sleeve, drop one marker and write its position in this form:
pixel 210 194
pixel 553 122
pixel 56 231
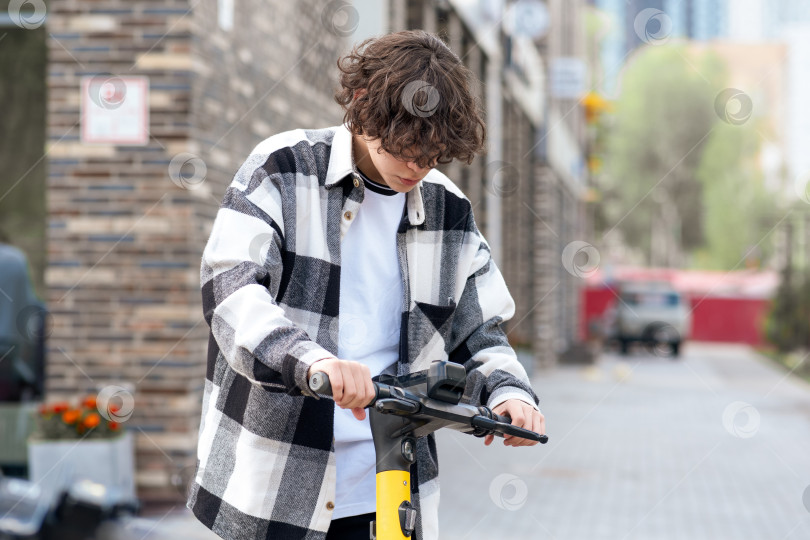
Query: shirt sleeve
pixel 494 373
pixel 240 274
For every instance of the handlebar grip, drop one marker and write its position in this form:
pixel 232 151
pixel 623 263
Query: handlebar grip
pixel 516 431
pixel 319 383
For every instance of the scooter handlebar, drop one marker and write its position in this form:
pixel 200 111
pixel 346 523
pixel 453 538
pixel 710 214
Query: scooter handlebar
pixel 491 421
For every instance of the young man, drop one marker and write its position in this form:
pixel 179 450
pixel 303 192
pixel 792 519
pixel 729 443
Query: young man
pixel 343 250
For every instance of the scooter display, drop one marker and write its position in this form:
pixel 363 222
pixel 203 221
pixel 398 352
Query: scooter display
pixel 404 409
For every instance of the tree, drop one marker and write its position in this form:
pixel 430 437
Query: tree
pixel 682 183
pixel 738 208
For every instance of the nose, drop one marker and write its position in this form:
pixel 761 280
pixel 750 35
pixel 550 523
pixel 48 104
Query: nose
pixel 412 165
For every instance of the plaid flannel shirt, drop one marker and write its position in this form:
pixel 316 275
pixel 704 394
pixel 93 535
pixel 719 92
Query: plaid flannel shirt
pixel 270 279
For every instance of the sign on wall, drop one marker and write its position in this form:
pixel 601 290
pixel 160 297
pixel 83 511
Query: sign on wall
pixel 567 76
pixel 115 110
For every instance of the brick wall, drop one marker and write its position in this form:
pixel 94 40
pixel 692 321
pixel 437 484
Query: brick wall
pixel 124 238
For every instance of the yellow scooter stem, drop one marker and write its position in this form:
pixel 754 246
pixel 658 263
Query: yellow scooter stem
pixel 393 488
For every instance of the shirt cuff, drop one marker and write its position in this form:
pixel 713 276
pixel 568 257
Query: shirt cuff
pixel 307 353
pixel 511 392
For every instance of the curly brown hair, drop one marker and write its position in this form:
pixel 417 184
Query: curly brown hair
pixel 414 96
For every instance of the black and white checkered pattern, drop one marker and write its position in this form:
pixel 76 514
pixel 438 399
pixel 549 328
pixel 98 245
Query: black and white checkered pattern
pixel 270 279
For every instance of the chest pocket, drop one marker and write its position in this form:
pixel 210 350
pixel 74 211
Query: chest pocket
pixel 432 319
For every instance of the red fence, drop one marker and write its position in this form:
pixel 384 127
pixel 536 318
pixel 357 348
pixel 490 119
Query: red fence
pixel 721 318
pixel 736 320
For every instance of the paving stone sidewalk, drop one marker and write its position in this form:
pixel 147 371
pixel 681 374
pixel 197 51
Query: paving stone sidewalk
pixel 715 445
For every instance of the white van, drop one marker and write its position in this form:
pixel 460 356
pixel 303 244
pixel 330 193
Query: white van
pixel 652 313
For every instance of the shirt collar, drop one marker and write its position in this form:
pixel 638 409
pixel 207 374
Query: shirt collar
pixel 341 166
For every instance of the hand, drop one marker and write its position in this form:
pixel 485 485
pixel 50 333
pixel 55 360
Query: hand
pixel 522 415
pixel 351 383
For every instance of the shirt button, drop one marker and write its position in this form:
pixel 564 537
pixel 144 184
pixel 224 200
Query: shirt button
pixel 356 182
pixel 330 505
pixel 347 215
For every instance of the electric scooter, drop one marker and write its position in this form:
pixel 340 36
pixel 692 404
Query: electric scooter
pixel 406 408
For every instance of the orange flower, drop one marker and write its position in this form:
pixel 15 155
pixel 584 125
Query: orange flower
pixel 60 407
pixel 89 402
pixel 71 417
pixel 114 408
pixel 91 420
pixel 114 426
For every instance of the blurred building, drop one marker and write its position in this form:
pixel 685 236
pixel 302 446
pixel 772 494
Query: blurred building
pixel 127 221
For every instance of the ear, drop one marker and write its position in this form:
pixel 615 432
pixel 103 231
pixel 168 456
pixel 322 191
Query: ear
pixel 359 92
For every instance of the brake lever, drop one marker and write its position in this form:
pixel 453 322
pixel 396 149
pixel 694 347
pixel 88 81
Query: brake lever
pixel 501 425
pixel 402 407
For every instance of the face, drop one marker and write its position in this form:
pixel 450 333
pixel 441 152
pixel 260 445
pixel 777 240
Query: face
pixel 398 174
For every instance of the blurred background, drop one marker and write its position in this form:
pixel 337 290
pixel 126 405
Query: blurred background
pixel 644 192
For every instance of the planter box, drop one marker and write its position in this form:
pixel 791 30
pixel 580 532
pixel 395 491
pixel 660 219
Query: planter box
pixel 54 465
pixel 16 425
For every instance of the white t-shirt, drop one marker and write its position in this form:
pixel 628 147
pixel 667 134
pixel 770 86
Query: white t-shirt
pixel 369 321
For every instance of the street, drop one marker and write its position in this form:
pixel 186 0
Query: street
pixel 644 448
pixel 640 447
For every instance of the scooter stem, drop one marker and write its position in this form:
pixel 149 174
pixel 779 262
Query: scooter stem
pixel 396 518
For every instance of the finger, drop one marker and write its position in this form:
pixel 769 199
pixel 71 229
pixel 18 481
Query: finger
pixel 359 386
pixel 336 382
pixel 362 377
pixel 488 440
pixel 359 413
pixel 537 424
pixel 370 392
pixel 349 390
pixel 531 423
pixel 518 418
pixel 522 420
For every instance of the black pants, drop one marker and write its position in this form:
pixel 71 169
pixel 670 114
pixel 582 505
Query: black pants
pixel 351 528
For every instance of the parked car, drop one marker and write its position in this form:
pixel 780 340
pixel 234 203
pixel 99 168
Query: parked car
pixel 651 313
